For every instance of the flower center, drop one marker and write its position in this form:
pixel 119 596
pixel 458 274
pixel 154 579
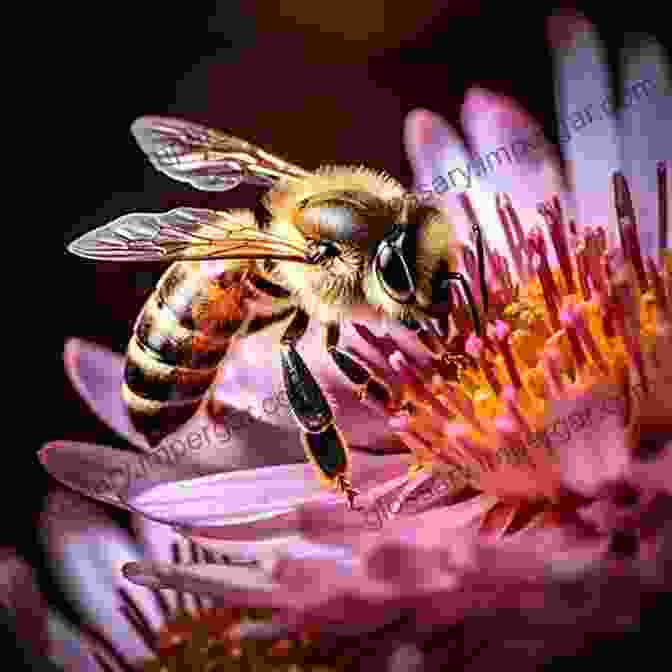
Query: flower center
pixel 580 342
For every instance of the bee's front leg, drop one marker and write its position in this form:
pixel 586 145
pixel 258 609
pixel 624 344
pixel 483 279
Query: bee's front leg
pixel 324 444
pixel 365 383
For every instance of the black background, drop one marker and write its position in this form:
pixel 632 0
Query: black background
pixel 314 92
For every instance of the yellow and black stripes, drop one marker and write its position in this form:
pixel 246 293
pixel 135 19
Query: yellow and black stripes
pixel 175 351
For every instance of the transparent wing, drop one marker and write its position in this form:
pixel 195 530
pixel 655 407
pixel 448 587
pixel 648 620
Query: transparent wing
pixel 183 233
pixel 207 159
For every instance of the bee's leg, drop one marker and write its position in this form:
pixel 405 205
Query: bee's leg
pixel 325 446
pixel 449 363
pixel 366 385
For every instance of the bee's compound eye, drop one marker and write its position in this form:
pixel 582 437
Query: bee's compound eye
pixel 393 274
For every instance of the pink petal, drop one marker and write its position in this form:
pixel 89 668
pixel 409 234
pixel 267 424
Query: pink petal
pixel 242 551
pixel 645 120
pixel 361 530
pixel 68 648
pixel 236 585
pixel 20 595
pixel 599 448
pixel 588 133
pixel 514 157
pixel 654 474
pixel 441 164
pixel 44 631
pixel 104 473
pixel 228 499
pixel 527 166
pixel 432 146
pixel 160 543
pixel 86 551
pixel 201 445
pixel 265 498
pixel 406 658
pixel 562 551
pixel 96 373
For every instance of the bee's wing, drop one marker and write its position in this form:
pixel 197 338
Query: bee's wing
pixel 184 233
pixel 208 160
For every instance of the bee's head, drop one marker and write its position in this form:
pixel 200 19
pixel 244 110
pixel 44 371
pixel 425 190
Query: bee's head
pixel 343 228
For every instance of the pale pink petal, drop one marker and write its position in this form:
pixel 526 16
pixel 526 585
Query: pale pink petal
pixel 96 373
pixel 267 498
pixel 68 648
pixel 512 156
pixel 443 165
pixel 161 543
pixel 231 498
pixel 86 551
pixel 20 595
pixel 202 445
pixel 434 149
pixel 39 628
pixel 243 551
pixel 236 586
pixel 600 447
pixel 654 474
pixel 588 132
pixel 105 473
pixel 361 530
pixel 516 156
pixel 563 551
pixel 406 658
pixel 645 116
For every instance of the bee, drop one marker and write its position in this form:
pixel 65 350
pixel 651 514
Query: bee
pixel 333 244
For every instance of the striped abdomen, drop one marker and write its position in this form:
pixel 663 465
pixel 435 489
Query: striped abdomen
pixel 180 337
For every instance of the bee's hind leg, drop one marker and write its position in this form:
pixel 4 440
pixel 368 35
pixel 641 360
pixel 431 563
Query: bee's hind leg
pixel 324 444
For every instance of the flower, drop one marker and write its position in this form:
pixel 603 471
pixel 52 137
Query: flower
pixel 533 491
pixel 118 626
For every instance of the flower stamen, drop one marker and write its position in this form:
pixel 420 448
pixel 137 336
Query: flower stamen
pixel 663 226
pixel 557 337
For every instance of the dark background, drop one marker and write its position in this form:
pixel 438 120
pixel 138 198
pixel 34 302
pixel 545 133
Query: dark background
pixel 316 84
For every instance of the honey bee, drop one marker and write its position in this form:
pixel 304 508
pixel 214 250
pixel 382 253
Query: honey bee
pixel 333 244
